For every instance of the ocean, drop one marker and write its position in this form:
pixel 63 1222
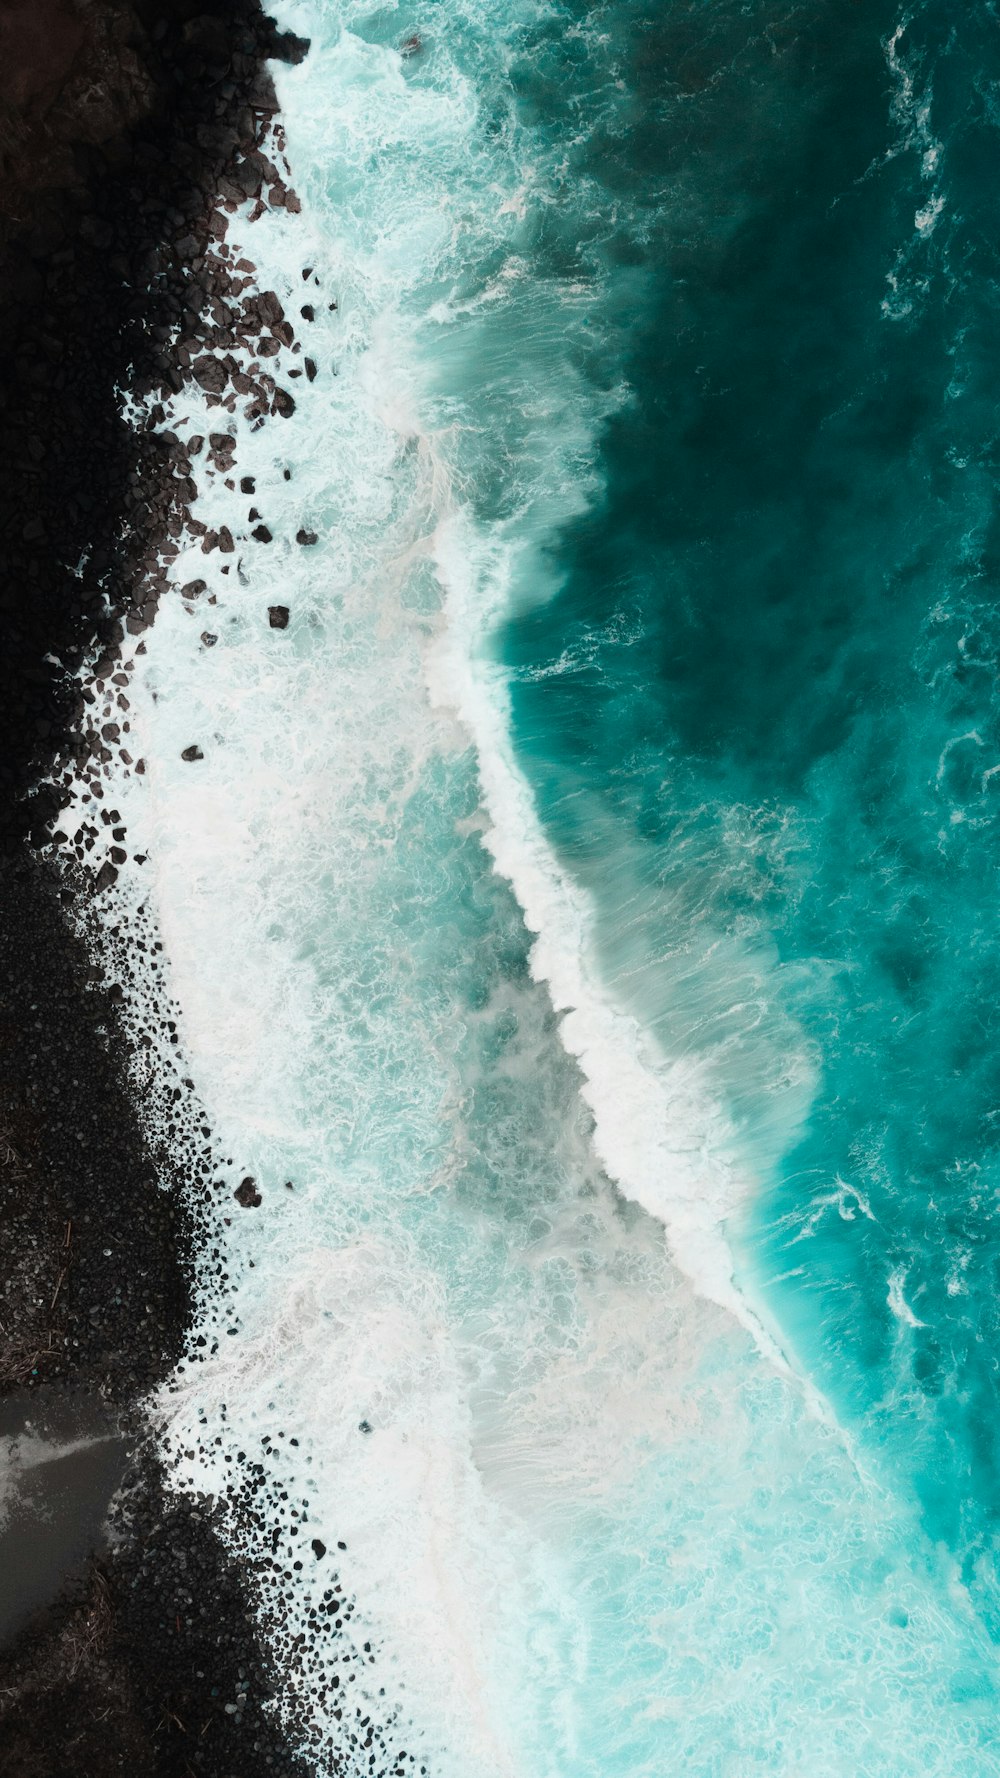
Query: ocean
pixel 580 917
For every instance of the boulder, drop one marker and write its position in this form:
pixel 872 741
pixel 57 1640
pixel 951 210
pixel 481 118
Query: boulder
pixel 209 374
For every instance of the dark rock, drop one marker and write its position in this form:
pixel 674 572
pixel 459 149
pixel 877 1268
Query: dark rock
pixel 286 47
pixel 248 484
pixel 306 538
pixel 117 128
pixel 246 1193
pixel 277 617
pixel 208 640
pixel 283 404
pixel 209 35
pixel 192 753
pixel 267 307
pixel 319 1548
pixel 210 374
pixel 311 369
pixel 261 533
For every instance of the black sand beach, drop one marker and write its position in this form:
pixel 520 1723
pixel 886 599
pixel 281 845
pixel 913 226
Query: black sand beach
pixel 119 127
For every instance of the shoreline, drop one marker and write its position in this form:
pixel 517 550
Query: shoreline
pixel 126 134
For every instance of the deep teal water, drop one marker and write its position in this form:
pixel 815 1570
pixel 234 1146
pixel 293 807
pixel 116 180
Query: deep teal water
pixel 780 718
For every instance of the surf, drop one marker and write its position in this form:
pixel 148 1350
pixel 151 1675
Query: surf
pixel 472 1383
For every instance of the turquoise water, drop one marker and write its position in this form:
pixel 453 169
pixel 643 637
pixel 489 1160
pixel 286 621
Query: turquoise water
pixel 580 917
pixel 797 732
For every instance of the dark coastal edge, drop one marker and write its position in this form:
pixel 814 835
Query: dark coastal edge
pixel 117 123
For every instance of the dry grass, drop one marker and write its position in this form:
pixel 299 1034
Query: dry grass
pixel 88 1633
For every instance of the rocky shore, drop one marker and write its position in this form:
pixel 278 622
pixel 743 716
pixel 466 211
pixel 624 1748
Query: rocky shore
pixel 126 130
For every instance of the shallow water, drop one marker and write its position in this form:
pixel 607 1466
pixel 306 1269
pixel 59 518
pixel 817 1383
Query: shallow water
pixel 579 917
pixel 61 1461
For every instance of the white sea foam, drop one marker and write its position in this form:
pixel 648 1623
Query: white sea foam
pixel 659 1131
pixel 897 1301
